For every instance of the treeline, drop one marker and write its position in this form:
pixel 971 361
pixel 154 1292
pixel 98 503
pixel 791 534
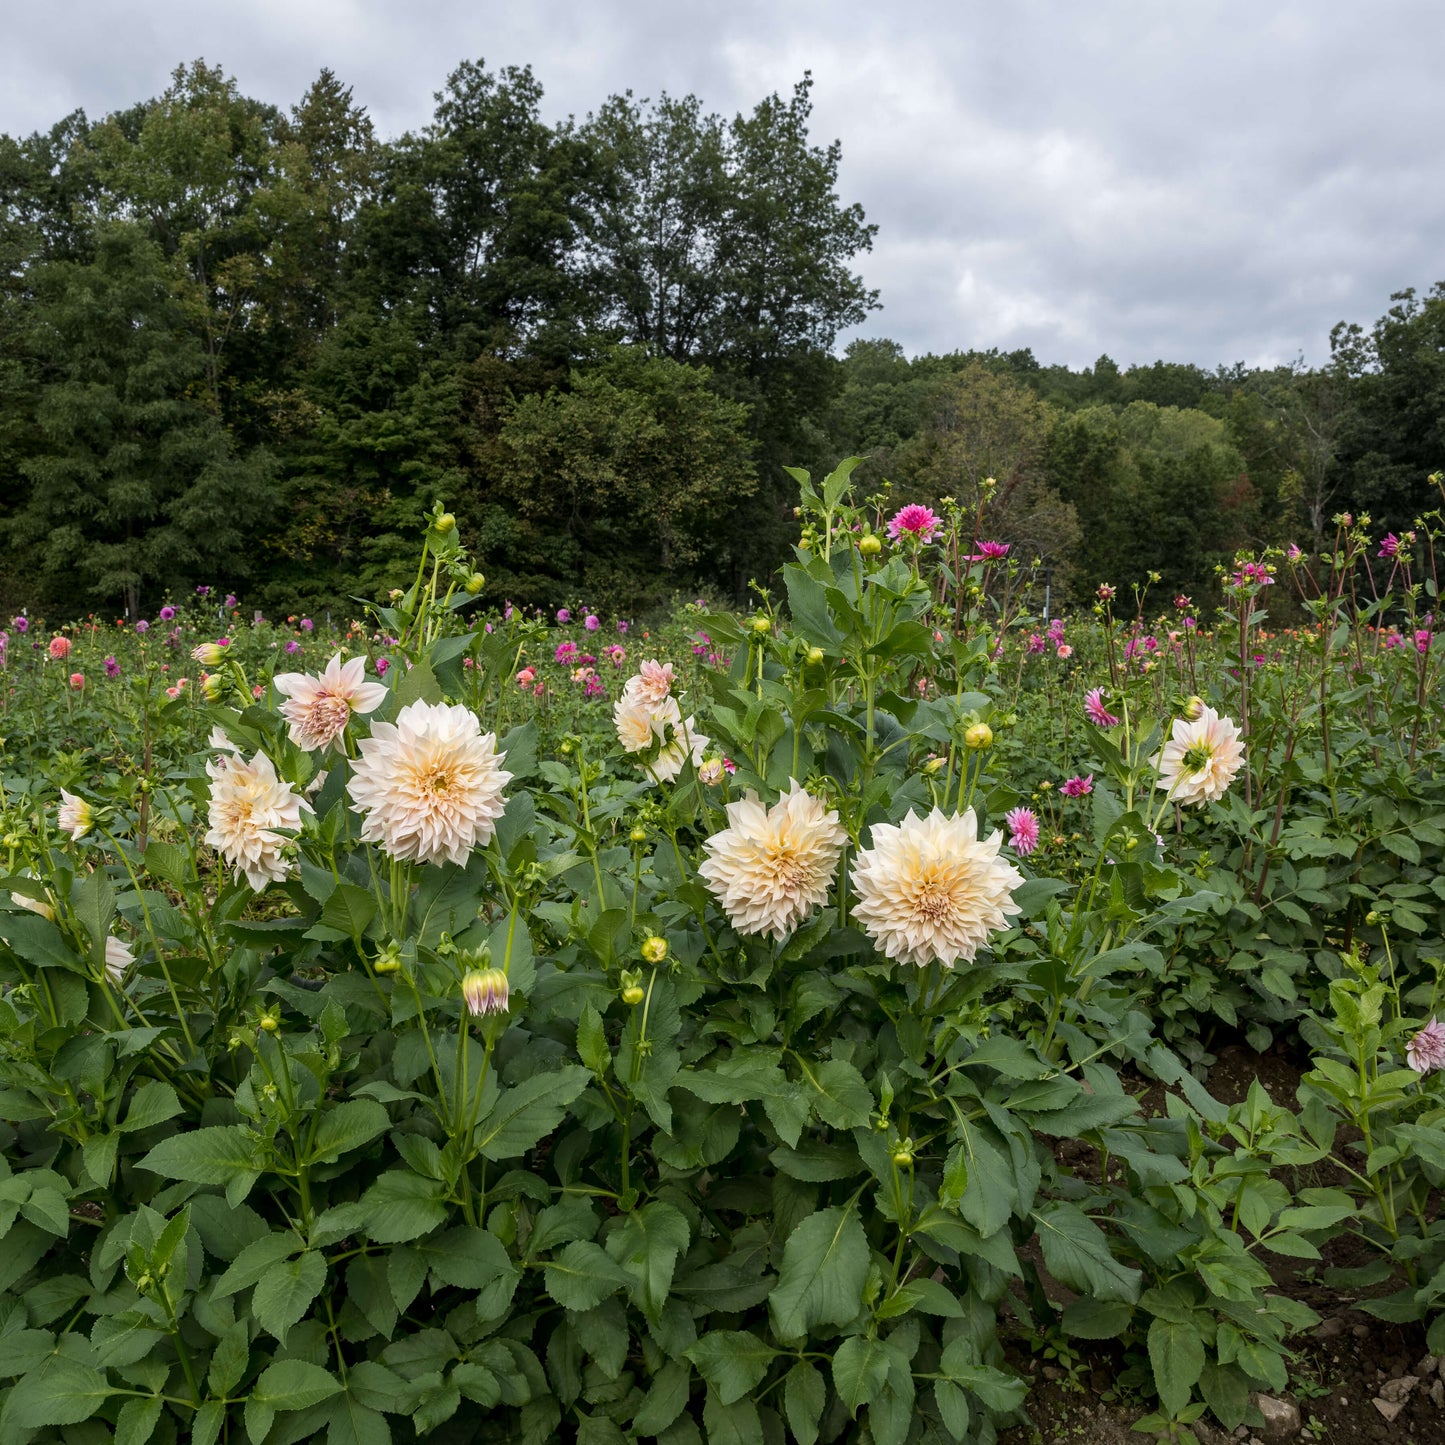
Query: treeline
pixel 244 346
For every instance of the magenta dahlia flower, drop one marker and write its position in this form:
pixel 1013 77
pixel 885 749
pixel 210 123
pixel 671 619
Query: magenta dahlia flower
pixel 1023 830
pixel 921 522
pixel 1095 710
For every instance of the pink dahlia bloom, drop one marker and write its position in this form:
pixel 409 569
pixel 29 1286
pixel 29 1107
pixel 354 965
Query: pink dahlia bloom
pixel 1023 830
pixel 319 708
pixel 921 522
pixel 1035 643
pixel 1077 787
pixel 992 551
pixel 1389 546
pixel 1095 710
pixel 1426 1051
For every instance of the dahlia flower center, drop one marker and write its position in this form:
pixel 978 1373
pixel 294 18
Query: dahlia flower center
pixel 933 898
pixel 1197 758
pixel 786 869
pixel 330 713
pixel 440 781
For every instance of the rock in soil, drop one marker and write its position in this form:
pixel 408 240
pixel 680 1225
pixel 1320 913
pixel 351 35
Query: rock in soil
pixel 1281 1417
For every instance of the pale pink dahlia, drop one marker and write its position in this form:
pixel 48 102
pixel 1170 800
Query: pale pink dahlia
pixel 770 868
pixel 1023 830
pixel 1095 710
pixel 920 522
pixel 652 686
pixel 249 803
pixel 932 889
pixel 1426 1051
pixel 319 708
pixel 430 784
pixel 1199 761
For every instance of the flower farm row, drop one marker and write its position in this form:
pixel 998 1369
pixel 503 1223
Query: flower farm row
pixel 745 1027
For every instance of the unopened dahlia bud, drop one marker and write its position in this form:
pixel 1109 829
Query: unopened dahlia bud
pixel 209 654
pixel 815 657
pixel 485 991
pixel 1193 708
pixel 902 1153
pixel 214 687
pixel 870 544
pixel 762 626
pixel 710 772
pixel 445 523
pixel 474 584
pixel 638 833
pixel 978 737
pixel 632 990
pixel 654 949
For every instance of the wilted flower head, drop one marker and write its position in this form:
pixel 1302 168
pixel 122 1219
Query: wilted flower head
pixel 1023 830
pixel 931 889
pixel 248 804
pixel 770 868
pixel 920 522
pixel 1426 1051
pixel 1199 761
pixel 486 991
pixel 319 708
pixel 1095 710
pixel 75 815
pixel 430 784
pixel 118 959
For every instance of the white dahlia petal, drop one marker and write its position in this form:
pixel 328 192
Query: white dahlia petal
pixel 248 804
pixel 430 784
pixel 770 868
pixel 1201 758
pixel 932 889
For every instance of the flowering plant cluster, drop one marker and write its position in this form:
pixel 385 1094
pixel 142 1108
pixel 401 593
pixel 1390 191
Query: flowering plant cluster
pixel 389 1060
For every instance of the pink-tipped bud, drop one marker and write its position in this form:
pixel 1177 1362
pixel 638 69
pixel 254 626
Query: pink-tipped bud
pixel 485 991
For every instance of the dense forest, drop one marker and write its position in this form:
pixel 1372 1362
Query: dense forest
pixel 244 347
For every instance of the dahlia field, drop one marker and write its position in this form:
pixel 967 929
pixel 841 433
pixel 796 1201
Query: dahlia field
pixel 464 1024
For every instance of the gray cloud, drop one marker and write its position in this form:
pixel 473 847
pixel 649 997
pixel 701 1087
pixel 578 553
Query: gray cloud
pixel 1208 183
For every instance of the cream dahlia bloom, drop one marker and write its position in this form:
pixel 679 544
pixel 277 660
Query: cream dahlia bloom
pixel 633 721
pixel 1199 761
pixel 248 804
pixel 931 888
pixel 43 906
pixel 430 784
pixel 318 708
pixel 685 743
pixel 770 868
pixel 74 816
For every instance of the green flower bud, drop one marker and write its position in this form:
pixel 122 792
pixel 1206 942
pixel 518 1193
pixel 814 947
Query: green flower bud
pixel 978 737
pixel 654 949
pixel 869 545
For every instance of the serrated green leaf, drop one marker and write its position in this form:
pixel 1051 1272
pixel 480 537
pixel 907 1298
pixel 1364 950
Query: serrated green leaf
pixel 1177 1354
pixel 525 1114
pixel 345 1127
pixel 284 1293
pixel 583 1275
pixel 733 1362
pixel 294 1385
pixel 825 1263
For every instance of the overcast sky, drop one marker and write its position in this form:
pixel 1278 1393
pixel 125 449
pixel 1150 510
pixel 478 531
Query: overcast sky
pixel 1215 181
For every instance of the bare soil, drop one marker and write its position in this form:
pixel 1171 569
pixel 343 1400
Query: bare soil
pixel 1341 1369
